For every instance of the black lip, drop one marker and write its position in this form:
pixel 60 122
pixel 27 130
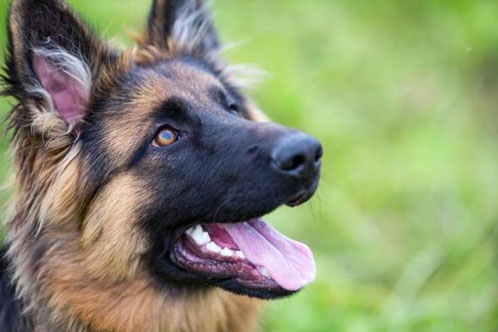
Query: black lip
pixel 184 246
pixel 304 195
pixel 298 199
pixel 172 275
pixel 268 289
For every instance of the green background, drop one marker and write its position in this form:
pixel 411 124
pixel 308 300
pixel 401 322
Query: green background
pixel 403 95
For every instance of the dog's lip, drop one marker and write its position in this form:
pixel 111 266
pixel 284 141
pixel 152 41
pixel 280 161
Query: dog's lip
pixel 184 249
pixel 298 199
pixel 252 253
pixel 302 196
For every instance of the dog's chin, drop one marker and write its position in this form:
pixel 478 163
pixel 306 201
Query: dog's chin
pixel 247 258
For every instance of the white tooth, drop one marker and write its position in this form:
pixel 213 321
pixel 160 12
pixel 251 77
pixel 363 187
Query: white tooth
pixel 189 231
pixel 195 231
pixel 226 252
pixel 240 254
pixel 264 272
pixel 213 247
pixel 200 237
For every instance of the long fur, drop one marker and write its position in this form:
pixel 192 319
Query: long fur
pixel 73 261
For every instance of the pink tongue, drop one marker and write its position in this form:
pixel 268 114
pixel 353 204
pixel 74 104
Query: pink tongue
pixel 290 263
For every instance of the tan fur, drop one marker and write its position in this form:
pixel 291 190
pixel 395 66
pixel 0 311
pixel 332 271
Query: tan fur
pixel 80 267
pixel 147 55
pixel 92 277
pixel 110 242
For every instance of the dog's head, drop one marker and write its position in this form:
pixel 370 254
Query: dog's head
pixel 160 163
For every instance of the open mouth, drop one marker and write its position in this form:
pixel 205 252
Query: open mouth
pixel 251 253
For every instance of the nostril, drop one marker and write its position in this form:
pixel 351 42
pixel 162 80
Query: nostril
pixel 319 154
pixel 293 163
pixel 297 155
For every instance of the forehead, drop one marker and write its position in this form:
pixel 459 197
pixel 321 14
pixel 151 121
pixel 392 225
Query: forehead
pixel 182 78
pixel 124 110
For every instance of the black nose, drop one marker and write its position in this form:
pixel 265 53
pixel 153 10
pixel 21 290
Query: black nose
pixel 297 154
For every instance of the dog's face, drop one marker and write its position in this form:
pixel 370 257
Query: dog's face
pixel 176 170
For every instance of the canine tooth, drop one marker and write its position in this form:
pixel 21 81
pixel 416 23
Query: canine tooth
pixel 200 237
pixel 240 254
pixel 195 231
pixel 226 252
pixel 264 272
pixel 213 247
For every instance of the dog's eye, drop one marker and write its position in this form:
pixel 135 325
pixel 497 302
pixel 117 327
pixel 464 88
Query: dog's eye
pixel 165 137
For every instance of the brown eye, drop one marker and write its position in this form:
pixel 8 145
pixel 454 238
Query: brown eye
pixel 165 137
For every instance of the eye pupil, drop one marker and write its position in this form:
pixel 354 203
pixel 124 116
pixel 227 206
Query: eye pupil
pixel 234 108
pixel 165 137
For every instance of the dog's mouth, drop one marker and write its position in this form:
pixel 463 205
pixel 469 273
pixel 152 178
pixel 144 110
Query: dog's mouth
pixel 252 253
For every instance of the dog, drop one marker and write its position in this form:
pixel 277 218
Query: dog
pixel 142 176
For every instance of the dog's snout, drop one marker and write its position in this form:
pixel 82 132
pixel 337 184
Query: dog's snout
pixel 297 154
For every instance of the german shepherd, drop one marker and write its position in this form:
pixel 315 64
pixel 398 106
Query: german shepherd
pixel 141 179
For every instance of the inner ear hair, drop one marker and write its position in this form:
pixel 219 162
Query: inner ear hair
pixel 67 81
pixel 69 64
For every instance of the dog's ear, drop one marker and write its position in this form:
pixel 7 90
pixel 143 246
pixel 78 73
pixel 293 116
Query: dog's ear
pixel 182 26
pixel 53 60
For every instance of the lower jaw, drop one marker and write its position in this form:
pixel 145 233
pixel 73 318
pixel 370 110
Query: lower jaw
pixel 240 277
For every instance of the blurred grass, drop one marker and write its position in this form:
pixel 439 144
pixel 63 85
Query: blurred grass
pixel 403 95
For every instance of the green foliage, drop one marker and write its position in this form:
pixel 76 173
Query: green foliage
pixel 403 95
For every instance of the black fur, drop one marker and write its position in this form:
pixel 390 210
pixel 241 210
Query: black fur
pixel 11 318
pixel 221 169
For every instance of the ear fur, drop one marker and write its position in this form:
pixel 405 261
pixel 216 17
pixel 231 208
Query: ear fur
pixel 66 79
pixel 182 26
pixel 52 61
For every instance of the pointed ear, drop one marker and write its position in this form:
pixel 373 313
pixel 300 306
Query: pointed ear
pixel 182 26
pixel 53 59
